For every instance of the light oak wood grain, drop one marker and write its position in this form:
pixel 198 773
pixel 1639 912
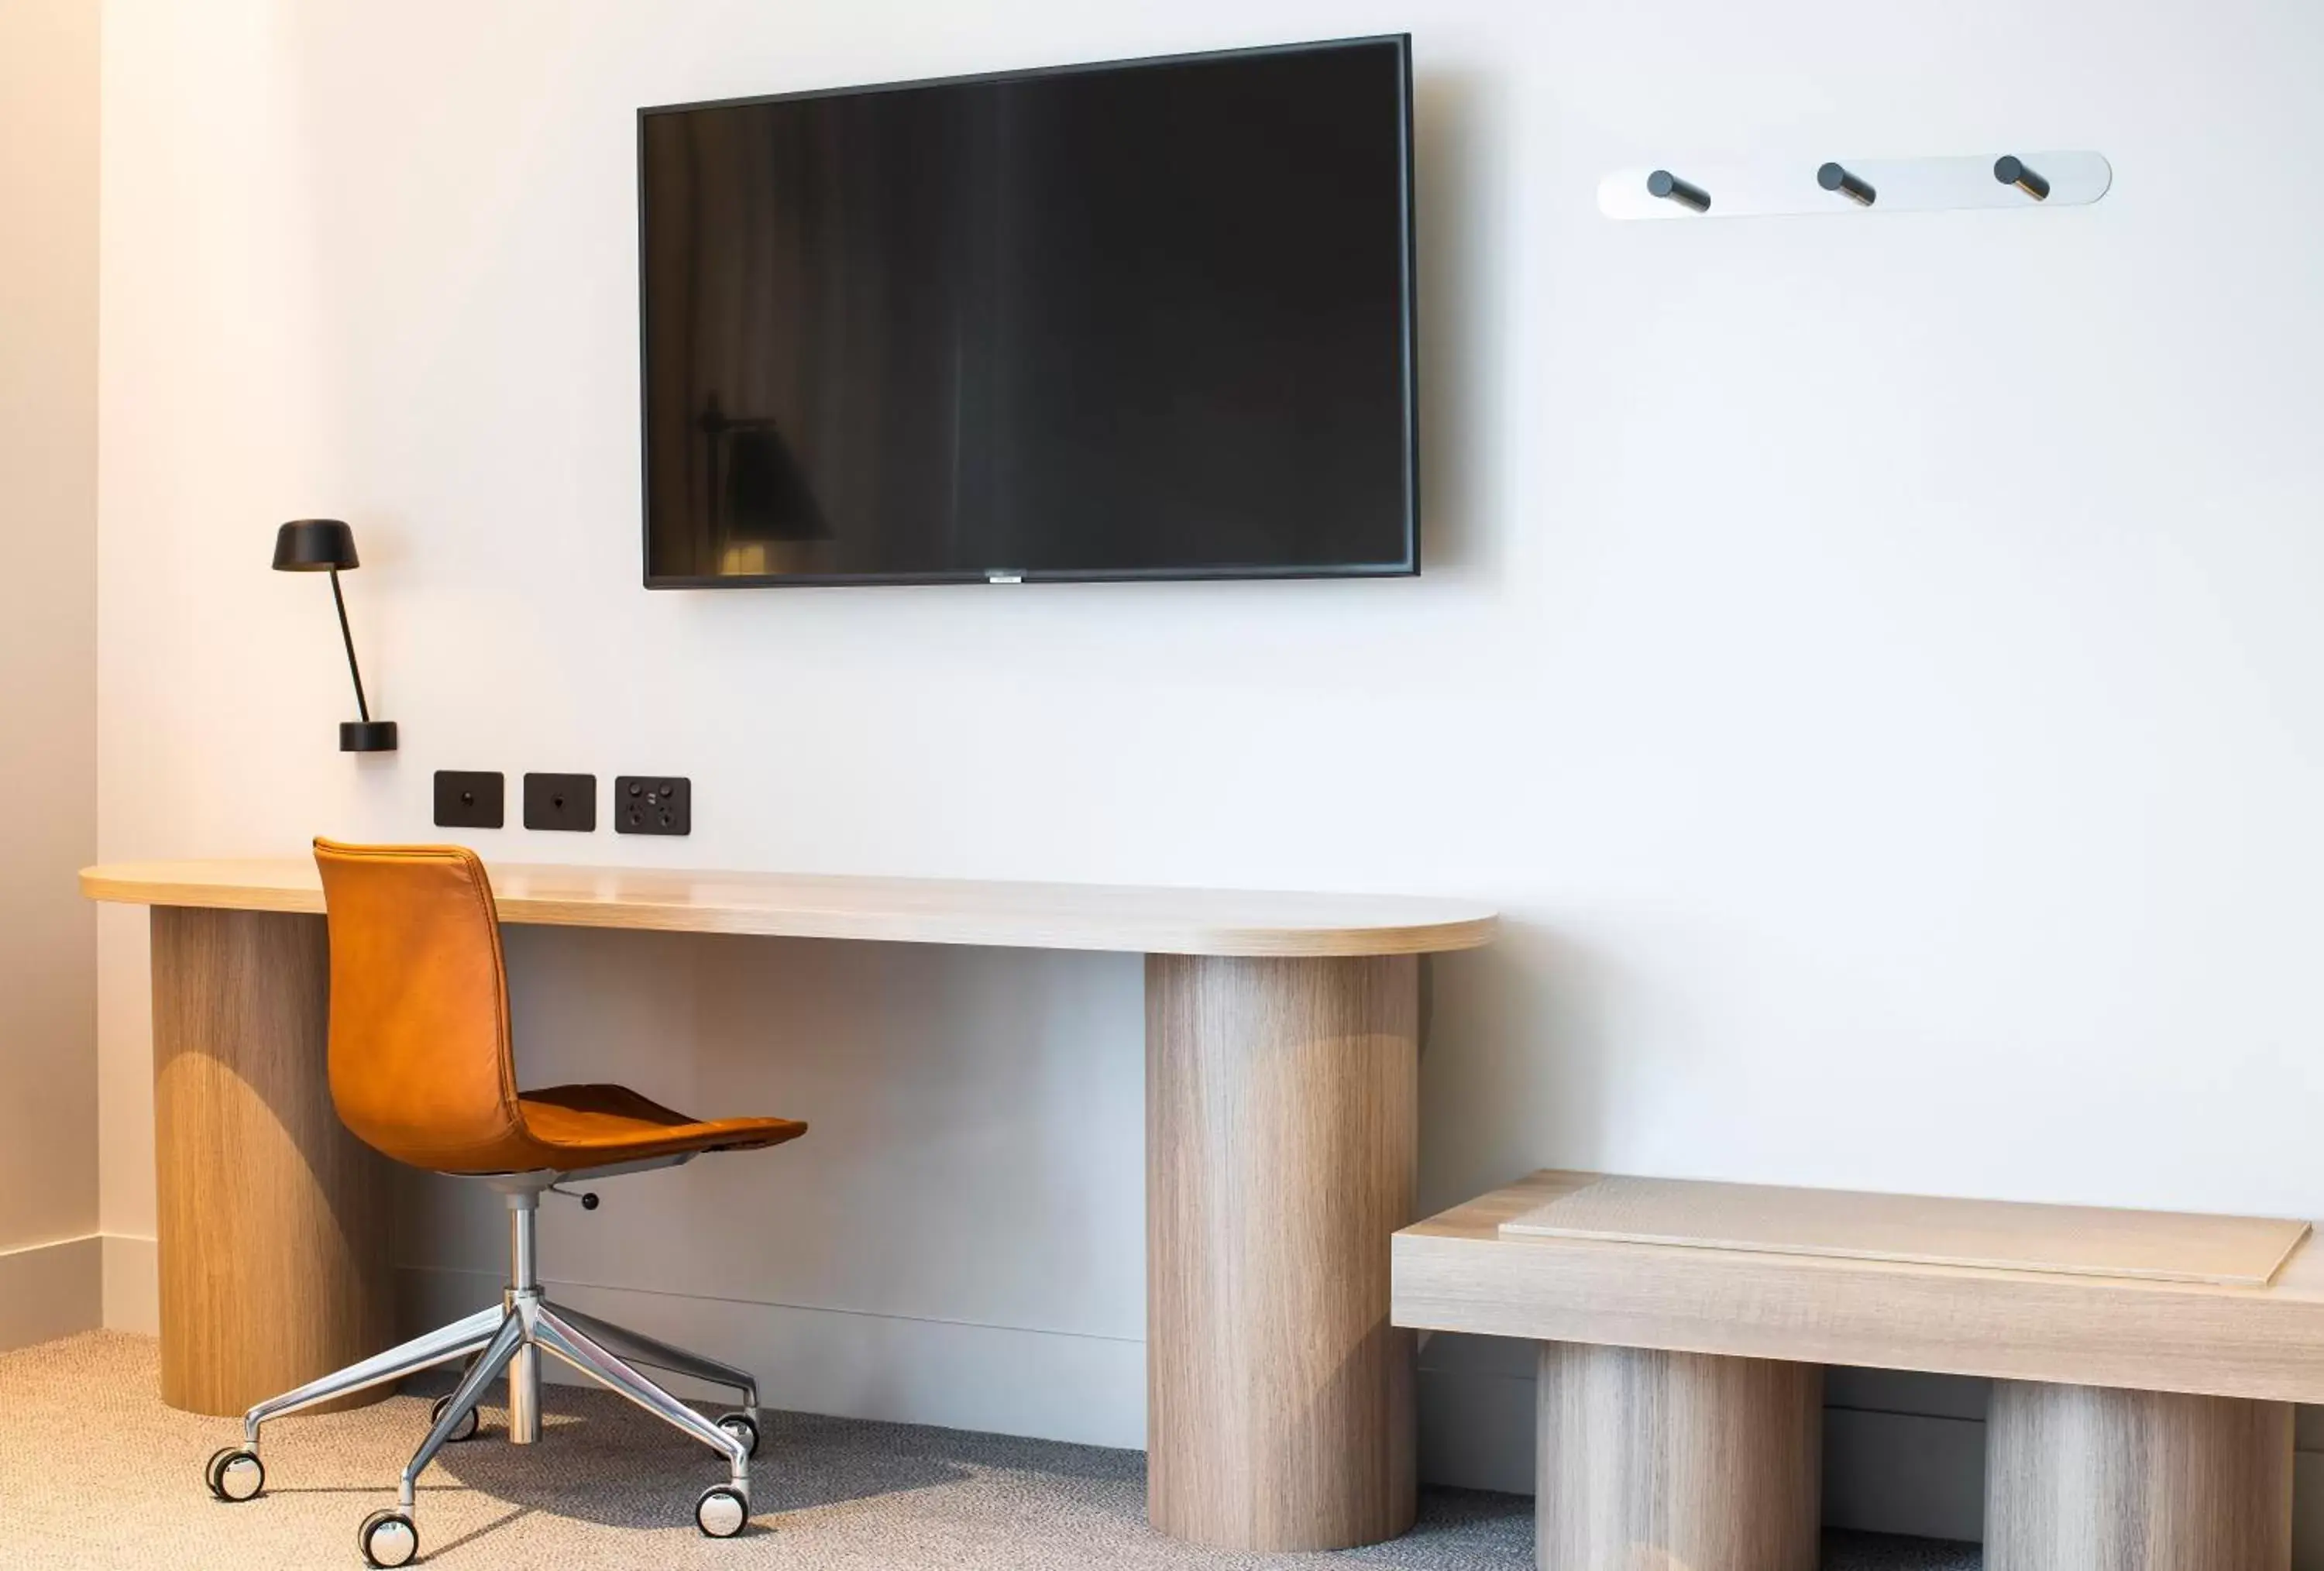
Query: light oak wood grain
pixel 1037 916
pixel 1650 1460
pixel 272 1220
pixel 1456 1272
pixel 1281 1129
pixel 2080 1479
pixel 2080 1239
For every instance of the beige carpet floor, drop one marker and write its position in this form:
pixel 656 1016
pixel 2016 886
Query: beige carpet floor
pixel 95 1472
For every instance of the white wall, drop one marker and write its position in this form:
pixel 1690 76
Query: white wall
pixel 49 1270
pixel 1873 660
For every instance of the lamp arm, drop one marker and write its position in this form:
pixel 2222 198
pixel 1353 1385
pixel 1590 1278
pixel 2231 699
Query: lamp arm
pixel 348 638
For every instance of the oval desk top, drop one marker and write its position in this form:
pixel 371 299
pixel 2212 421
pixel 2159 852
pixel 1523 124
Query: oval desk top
pixel 905 910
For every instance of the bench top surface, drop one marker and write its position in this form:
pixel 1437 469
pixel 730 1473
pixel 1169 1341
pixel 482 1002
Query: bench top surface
pixel 1931 1229
pixel 1457 1271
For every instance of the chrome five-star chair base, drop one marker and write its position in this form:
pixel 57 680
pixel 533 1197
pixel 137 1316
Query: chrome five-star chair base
pixel 508 1340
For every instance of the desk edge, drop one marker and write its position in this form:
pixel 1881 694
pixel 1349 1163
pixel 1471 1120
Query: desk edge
pixel 147 884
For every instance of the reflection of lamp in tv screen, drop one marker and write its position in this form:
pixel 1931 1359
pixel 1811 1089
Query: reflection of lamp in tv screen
pixel 764 517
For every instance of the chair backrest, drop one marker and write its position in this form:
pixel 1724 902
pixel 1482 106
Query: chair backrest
pixel 421 1063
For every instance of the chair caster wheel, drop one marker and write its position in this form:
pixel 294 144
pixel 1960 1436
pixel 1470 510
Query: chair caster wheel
pixel 743 1427
pixel 466 1429
pixel 234 1473
pixel 721 1511
pixel 387 1538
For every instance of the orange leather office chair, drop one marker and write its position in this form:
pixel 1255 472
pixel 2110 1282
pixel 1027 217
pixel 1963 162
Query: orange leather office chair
pixel 421 1069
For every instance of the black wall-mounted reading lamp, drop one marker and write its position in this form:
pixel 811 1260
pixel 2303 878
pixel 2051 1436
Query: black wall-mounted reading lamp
pixel 320 545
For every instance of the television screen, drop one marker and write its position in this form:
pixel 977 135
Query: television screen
pixel 1151 320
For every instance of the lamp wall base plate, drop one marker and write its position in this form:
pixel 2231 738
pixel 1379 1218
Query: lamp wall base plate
pixel 366 736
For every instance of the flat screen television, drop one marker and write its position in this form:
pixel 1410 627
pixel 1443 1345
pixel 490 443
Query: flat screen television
pixel 1151 320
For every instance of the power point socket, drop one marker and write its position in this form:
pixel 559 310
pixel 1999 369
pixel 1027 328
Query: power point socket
pixel 654 804
pixel 560 801
pixel 468 799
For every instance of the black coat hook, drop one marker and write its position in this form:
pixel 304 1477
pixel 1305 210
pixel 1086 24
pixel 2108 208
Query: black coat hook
pixel 1832 177
pixel 2011 171
pixel 1670 187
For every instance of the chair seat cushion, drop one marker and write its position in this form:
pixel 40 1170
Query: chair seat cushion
pixel 591 1126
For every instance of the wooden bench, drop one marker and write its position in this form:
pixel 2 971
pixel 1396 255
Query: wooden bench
pixel 2136 1424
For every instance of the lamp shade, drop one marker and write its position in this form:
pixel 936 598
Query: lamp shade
pixel 314 545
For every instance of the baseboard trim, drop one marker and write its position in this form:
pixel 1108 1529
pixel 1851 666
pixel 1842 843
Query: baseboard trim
pixel 1045 1385
pixel 1050 1385
pixel 1476 1429
pixel 1903 1472
pixel 132 1284
pixel 48 1291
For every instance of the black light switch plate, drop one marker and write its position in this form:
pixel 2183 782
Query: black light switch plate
pixel 560 801
pixel 468 799
pixel 654 804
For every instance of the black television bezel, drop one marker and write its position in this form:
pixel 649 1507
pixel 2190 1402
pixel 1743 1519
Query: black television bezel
pixel 1408 567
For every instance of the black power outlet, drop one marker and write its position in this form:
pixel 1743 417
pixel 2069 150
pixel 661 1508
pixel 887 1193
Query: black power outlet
pixel 468 799
pixel 560 801
pixel 654 804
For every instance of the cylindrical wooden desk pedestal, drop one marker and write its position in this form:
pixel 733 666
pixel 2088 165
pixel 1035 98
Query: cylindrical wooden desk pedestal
pixel 1663 1461
pixel 272 1219
pixel 1281 1128
pixel 2084 1478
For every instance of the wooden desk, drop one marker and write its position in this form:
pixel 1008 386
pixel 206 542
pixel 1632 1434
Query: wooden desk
pixel 1282 1057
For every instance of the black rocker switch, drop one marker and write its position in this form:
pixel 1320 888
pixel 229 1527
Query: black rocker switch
pixel 560 801
pixel 654 804
pixel 468 799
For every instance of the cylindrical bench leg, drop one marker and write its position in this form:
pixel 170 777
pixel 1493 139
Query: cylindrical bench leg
pixel 1652 1461
pixel 2083 1478
pixel 1281 1128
